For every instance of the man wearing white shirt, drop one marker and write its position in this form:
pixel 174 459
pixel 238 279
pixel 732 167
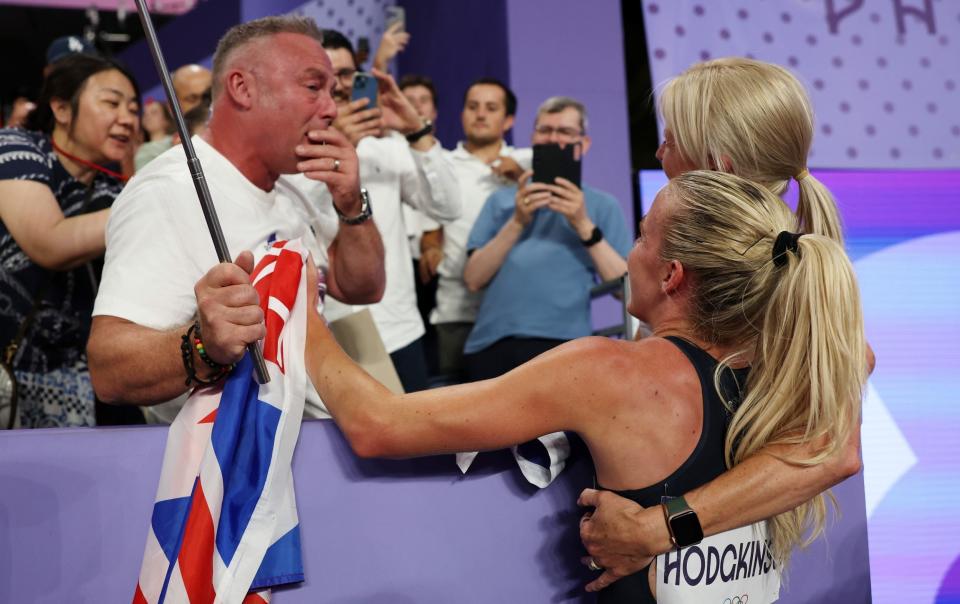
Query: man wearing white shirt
pixel 400 162
pixel 270 129
pixel 483 162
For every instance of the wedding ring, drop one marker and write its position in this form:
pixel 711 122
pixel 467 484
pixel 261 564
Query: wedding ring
pixel 526 201
pixel 592 565
pixel 336 165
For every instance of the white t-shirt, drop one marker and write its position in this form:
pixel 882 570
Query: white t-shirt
pixel 455 303
pixel 393 175
pixel 158 245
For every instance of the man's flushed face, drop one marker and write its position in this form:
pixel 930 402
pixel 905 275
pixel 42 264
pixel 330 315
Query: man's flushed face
pixel 484 117
pixel 293 85
pixel 422 100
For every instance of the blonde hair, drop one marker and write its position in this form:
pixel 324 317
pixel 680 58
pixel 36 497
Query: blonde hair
pixel 799 319
pixel 757 117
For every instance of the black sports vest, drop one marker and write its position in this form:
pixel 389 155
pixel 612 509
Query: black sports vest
pixel 705 463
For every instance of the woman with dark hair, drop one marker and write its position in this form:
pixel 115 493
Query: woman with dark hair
pixel 55 194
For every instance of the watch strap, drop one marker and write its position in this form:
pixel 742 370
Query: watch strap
pixel 415 136
pixel 675 505
pixel 365 211
pixel 596 236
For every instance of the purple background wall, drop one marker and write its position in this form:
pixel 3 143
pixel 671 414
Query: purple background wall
pixel 75 505
pixel 576 49
pixel 454 55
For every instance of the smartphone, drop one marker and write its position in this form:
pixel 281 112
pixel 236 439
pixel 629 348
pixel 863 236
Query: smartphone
pixel 363 50
pixel 552 160
pixel 365 86
pixel 396 14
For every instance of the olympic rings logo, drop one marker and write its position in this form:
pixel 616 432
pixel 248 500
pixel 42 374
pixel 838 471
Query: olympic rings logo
pixel 737 599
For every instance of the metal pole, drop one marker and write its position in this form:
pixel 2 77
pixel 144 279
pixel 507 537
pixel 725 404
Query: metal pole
pixel 196 171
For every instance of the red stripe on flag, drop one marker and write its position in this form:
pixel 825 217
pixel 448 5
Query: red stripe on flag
pixel 254 598
pixel 138 597
pixel 196 553
pixel 284 284
pixel 209 419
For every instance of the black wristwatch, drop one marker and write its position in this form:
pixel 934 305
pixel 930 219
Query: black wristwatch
pixel 595 237
pixel 365 211
pixel 422 132
pixel 682 522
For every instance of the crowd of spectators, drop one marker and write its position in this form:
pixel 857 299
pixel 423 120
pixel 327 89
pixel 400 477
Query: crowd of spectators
pixel 66 155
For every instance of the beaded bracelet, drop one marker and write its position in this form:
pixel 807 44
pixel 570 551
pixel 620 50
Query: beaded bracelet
pixel 191 341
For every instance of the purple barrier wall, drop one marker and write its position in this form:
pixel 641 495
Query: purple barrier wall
pixel 75 505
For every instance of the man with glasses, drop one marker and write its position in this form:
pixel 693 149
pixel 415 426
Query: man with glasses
pixel 536 250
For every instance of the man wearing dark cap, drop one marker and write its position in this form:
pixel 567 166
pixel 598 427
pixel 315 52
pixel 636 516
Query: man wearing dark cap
pixel 66 46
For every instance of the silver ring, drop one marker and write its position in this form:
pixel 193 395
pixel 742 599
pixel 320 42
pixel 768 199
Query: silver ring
pixel 336 165
pixel 592 565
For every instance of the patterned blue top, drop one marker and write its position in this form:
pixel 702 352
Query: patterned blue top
pixel 61 325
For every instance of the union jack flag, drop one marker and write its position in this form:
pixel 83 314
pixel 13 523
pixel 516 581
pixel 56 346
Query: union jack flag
pixel 224 525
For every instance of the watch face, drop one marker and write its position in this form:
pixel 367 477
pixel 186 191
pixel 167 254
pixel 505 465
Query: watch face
pixel 686 529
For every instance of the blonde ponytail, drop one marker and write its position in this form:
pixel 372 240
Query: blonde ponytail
pixel 817 210
pixel 798 317
pixel 808 368
pixel 755 120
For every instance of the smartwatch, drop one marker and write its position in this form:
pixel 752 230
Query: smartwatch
pixel 682 522
pixel 415 136
pixel 596 236
pixel 365 211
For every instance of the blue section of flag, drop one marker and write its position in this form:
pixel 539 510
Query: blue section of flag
pixel 168 518
pixel 282 563
pixel 243 440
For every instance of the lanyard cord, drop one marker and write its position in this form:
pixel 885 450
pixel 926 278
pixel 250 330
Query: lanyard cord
pixel 88 163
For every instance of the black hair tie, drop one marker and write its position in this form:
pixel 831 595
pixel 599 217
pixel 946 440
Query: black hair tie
pixel 786 242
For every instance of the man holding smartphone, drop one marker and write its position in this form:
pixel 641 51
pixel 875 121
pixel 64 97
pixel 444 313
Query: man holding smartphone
pixel 536 250
pixel 400 163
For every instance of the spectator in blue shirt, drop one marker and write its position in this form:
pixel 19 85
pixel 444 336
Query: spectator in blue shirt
pixel 536 250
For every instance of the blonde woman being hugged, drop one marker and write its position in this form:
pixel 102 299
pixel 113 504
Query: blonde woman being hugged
pixel 721 279
pixel 755 120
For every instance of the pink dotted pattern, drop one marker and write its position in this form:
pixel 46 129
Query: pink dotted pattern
pixel 883 99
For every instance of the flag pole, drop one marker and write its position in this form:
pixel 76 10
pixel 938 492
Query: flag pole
pixel 196 170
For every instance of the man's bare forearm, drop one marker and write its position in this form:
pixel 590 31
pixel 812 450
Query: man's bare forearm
pixel 484 262
pixel 135 365
pixel 357 273
pixel 608 262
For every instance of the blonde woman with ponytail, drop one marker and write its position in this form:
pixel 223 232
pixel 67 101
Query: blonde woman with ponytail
pixel 753 119
pixel 748 118
pixel 724 284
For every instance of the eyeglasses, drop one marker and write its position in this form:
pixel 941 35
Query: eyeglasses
pixel 564 132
